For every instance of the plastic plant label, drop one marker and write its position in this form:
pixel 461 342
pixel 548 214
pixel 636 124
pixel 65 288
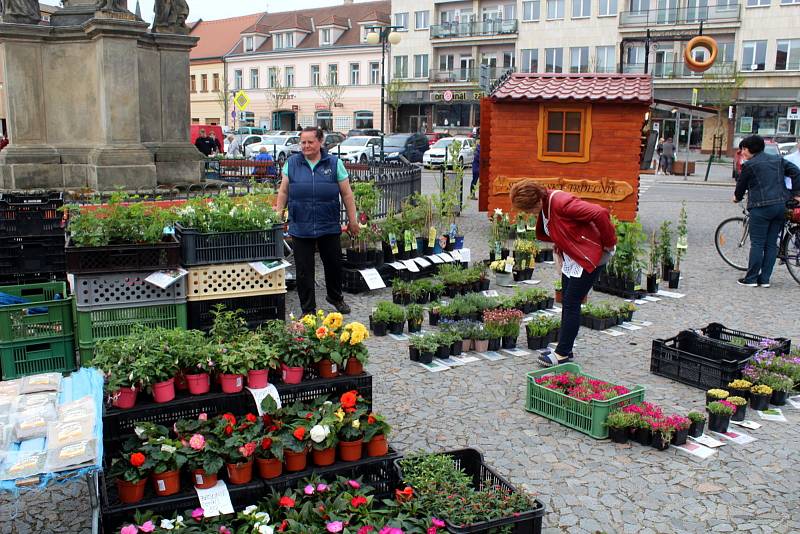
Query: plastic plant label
pixel 683 242
pixel 509 267
pixel 215 500
pixel 422 262
pixel 408 239
pixel 198 479
pixel 498 249
pixel 393 243
pixel 432 237
pixel 161 485
pixel 446 257
pixel 453 231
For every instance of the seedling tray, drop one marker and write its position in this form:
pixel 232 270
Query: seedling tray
pixel 726 342
pixel 229 247
pixel 671 358
pixel 123 258
pixel 42 318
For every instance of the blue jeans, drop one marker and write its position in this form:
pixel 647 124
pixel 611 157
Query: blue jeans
pixel 573 291
pixel 765 226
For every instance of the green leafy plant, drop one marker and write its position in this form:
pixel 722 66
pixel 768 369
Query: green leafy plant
pixel 665 244
pixel 415 313
pixel 541 325
pixel 696 417
pixel 718 408
pixel 224 213
pixel 681 244
pixel 620 419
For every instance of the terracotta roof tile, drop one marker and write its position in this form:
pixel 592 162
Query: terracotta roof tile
pixel 594 87
pixel 333 20
pixel 217 37
pixel 293 20
pixel 376 16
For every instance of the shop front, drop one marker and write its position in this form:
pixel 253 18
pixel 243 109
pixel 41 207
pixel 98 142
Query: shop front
pixel 456 111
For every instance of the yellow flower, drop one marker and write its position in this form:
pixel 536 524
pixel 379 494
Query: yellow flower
pixel 309 321
pixel 334 321
pixel 320 314
pixel 345 337
pixel 339 414
pixel 356 423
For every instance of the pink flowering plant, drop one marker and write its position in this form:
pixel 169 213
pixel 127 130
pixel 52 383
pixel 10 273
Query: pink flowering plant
pixel 203 452
pixel 188 522
pixel 581 387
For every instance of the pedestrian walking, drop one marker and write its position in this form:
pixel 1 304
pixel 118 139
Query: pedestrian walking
pixel 234 147
pixel 476 171
pixel 657 158
pixel 667 156
pixel 762 178
pixel 584 239
pixel 311 186
pixel 204 144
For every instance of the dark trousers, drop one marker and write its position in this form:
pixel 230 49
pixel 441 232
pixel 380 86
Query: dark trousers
pixel 765 226
pixel 573 291
pixel 330 252
pixel 475 179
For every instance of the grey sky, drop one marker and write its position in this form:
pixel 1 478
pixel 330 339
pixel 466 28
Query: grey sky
pixel 220 9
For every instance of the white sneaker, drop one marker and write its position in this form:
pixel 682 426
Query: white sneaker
pixel 763 285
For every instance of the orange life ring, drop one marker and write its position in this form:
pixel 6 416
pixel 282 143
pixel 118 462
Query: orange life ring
pixel 701 41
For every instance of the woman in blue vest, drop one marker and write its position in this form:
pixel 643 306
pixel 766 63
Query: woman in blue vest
pixel 311 185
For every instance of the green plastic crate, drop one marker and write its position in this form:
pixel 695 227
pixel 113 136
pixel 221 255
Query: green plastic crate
pixel 586 417
pixel 97 325
pixel 21 358
pixel 17 325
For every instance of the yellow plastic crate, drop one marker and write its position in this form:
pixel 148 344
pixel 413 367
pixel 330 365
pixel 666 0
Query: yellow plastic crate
pixel 232 280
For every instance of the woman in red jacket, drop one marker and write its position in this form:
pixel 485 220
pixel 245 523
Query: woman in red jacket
pixel 584 239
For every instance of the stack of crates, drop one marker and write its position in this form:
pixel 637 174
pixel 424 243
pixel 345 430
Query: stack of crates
pixel 31 238
pixel 221 273
pixel 36 335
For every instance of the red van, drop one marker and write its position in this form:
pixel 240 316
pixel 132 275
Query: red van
pixel 195 132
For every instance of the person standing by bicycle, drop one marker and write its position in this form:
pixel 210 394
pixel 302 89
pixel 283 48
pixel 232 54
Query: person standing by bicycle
pixel 762 177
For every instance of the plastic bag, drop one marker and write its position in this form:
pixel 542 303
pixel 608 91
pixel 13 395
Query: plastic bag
pixel 10 387
pixel 60 434
pixel 42 382
pixel 82 409
pixel 36 400
pixel 71 455
pixel 33 423
pixel 20 464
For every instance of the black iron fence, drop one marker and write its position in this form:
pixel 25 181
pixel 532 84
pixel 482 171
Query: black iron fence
pixel 394 182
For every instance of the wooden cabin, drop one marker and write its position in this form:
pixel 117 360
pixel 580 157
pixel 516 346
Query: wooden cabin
pixel 581 133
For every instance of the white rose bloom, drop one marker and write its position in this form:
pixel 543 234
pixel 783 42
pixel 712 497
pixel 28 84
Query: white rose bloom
pixel 317 434
pixel 265 529
pixel 250 509
pixel 168 449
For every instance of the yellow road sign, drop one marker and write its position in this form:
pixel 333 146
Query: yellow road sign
pixel 241 100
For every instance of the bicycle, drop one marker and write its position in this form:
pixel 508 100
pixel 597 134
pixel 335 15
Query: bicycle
pixel 732 240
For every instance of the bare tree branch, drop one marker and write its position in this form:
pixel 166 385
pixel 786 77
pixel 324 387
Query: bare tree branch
pixel 720 87
pixel 330 94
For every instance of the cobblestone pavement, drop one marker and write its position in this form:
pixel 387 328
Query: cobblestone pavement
pixel 593 486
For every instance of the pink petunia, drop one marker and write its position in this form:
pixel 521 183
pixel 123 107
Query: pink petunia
pixel 197 514
pixel 147 527
pixel 309 490
pixel 353 484
pixel 438 523
pixel 129 529
pixel 334 527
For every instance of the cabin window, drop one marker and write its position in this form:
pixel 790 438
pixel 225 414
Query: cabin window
pixel 564 133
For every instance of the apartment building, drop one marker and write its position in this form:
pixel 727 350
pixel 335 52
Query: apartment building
pixel 445 43
pixel 311 67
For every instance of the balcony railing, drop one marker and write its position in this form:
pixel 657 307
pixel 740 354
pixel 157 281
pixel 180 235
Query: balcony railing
pixel 481 28
pixel 464 75
pixel 681 15
pixel 678 69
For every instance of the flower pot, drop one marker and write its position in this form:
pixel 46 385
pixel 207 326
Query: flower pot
pixel 443 352
pixel 426 357
pixel 414 326
pixel 164 391
pixel 550 302
pixel 644 436
pixel 456 348
pixel 503 279
pixel 467 344
pixel 659 443
pixel 291 375
pixel 679 437
pixel 618 435
pixel 396 328
pixel 509 342
pixel 240 473
pixel 674 279
pixel 377 446
pixel 353 367
pixel 779 397
pixel 710 399
pixel 481 345
pixel 350 451
pixel 696 429
pixel 295 461
pixel 271 468
pixel 323 457
pixel 652 283
pixel 743 393
pixel 167 483
pixel 557 296
pixel 204 480
pixel 379 329
pixel 459 242
pixel 739 414
pixel 199 384
pixel 433 318
pixel 413 354
pixel 124 398
pixel 231 383
pixel 257 378
pixel 180 381
pixel 130 492
pixel 666 268
pixel 537 342
pixel 484 284
pixel 327 369
pixel 718 423
pixel 494 344
pixel 759 402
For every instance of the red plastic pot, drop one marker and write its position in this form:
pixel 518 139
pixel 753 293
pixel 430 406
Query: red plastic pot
pixel 231 383
pixel 295 461
pixel 204 480
pixel 350 451
pixel 130 492
pixel 124 398
pixel 354 367
pixel 180 381
pixel 323 457
pixel 378 446
pixel 268 469
pixel 240 473
pixel 257 378
pixel 167 483
pixel 164 391
pixel 291 375
pixel 199 384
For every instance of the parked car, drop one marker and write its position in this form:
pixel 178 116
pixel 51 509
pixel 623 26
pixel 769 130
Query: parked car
pixel 280 146
pixel 435 136
pixel 329 140
pixel 786 148
pixel 435 156
pixel 363 131
pixel 245 130
pixel 770 147
pixel 410 146
pixel 245 141
pixel 358 149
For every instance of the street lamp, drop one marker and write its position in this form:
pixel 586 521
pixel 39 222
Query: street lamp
pixel 382 35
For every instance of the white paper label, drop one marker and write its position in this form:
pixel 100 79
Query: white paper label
pixel 238 381
pixel 198 478
pixel 490 293
pixel 260 394
pixel 264 268
pixel 334 368
pixel 509 267
pixel 435 259
pixel 446 257
pixel 161 485
pixel 456 255
pixel 164 279
pixel 422 262
pixel 373 279
pixel 399 266
pixel 411 265
pixel 466 255
pixel 215 500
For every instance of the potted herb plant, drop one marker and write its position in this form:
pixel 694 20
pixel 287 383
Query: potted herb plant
pixel 760 395
pixel 513 320
pixel 653 265
pixel 401 292
pixel 740 404
pixel 130 471
pixel 618 424
pixel 557 290
pixel 415 313
pixel 781 386
pixel 423 347
pixel 381 318
pixel 434 311
pixel 662 434
pixel 719 416
pixel 698 422
pixel 375 433
pixel 665 249
pixel 481 341
pixel 680 248
pixel 269 456
pixel 397 318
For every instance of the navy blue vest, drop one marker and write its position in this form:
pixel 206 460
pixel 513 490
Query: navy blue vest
pixel 314 208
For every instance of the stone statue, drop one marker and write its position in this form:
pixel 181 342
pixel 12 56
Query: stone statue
pixel 21 11
pixel 170 16
pixel 111 5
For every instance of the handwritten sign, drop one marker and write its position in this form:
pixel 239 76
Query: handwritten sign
pixel 215 500
pixel 422 262
pixel 398 265
pixel 261 394
pixel 435 259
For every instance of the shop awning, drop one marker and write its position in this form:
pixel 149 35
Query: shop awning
pixel 668 106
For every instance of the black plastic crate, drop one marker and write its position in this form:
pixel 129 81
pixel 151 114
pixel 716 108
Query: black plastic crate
pixel 16 279
pixel 471 462
pixel 669 359
pixel 118 424
pixel 123 258
pixel 726 338
pixel 229 247
pixel 353 282
pixel 255 310
pixel 31 214
pixel 31 254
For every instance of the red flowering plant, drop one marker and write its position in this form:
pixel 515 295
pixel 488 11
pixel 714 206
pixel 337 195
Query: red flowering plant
pixel 678 422
pixel 646 414
pixel 581 387
pixel 270 444
pixel 239 437
pixel 131 466
pixel 352 416
pixel 376 426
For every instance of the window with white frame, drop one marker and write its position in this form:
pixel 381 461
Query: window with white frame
pixel 248 44
pixel 374 73
pixel 639 6
pixel 608 8
pixel 289 40
pixel 757 3
pixel 555 9
pixel 421 66
pixel 422 20
pixel 400 67
pixel 325 36
pixel 342 123
pixel 788 55
pixel 446 62
pixel 355 74
pixel 277 41
pixel 289 76
pixel 554 60
pixel 530 10
pixel 509 11
pixel 581 9
pixel 315 75
pixel 530 60
pixel 754 55
pixel 333 74
pixel 272 77
pixel 253 78
pixel 789 2
pixel 726 51
pixel 363 119
pixel 401 19
pixel 606 59
pixel 579 59
pixel 237 79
